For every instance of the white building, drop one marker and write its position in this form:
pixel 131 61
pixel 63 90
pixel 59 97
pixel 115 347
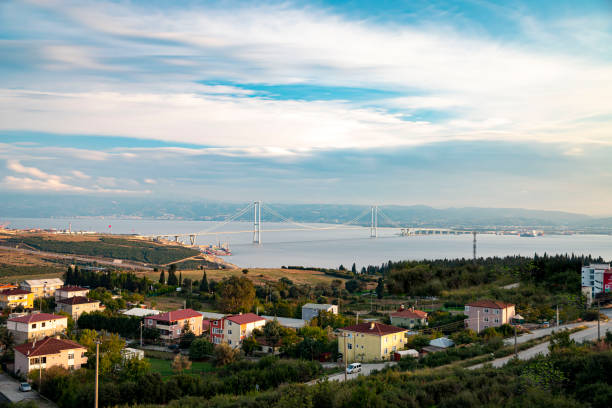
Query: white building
pixel 597 278
pixel 312 310
pixel 42 287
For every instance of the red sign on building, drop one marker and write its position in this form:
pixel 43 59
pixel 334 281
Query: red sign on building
pixel 607 281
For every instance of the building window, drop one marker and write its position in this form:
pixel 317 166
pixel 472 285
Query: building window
pixel 496 320
pixel 83 355
pixel 42 324
pixel 496 311
pixel 43 360
pixel 349 346
pixel 394 348
pixel 229 332
pixel 229 342
pixel 33 325
pixel 385 351
pixel 486 319
pixel 486 311
pixel 71 356
pixel 467 308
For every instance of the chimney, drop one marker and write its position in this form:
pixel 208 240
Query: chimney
pixel 371 325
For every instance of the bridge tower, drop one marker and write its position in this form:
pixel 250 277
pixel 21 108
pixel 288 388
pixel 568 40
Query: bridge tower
pixel 374 222
pixel 474 234
pixel 257 222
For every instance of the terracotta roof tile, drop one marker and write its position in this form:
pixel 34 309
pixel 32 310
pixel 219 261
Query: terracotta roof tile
pixel 77 300
pixel 491 304
pixel 46 346
pixel 244 318
pixel 72 289
pixel 410 314
pixel 10 292
pixel 38 317
pixel 373 328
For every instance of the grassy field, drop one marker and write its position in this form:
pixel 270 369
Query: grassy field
pixel 164 367
pixel 259 276
pixel 15 266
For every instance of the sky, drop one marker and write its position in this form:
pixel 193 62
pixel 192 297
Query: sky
pixel 441 103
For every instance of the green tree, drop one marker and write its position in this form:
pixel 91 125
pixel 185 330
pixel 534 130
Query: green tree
pixel 236 294
pixel 181 363
pixel 224 354
pixel 200 348
pixel 180 280
pixel 354 268
pixel 272 331
pixel 172 279
pixel 204 283
pixel 380 289
pixel 162 277
pixel 249 345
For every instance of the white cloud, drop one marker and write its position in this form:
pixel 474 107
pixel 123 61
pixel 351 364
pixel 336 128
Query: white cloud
pixel 150 181
pixel 80 174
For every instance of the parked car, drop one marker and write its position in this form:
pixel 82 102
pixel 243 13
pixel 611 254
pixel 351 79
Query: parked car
pixel 25 387
pixel 353 368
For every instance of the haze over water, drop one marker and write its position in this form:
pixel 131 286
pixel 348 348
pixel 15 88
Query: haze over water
pixel 332 247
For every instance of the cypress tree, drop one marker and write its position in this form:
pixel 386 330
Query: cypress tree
pixel 204 283
pixel 162 277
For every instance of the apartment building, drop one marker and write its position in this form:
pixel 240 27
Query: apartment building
pixel 66 292
pixel 371 341
pixel 42 287
pixel 596 279
pixel 48 352
pixel 36 326
pixel 77 305
pixel 233 329
pixel 171 325
pixel 13 298
pixel 483 314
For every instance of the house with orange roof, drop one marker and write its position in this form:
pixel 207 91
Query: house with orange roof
pixel 172 325
pixel 235 328
pixel 371 341
pixel 14 297
pixel 483 314
pixel 48 352
pixel 66 292
pixel 36 326
pixel 75 306
pixel 409 317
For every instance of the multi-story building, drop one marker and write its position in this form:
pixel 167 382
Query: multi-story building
pixel 42 287
pixel 13 298
pixel 233 329
pixel 483 314
pixel 171 325
pixel 77 305
pixel 36 326
pixel 5 286
pixel 48 352
pixel 597 278
pixel 409 318
pixel 312 310
pixel 371 341
pixel 66 292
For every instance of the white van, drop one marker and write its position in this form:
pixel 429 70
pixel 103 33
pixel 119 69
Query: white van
pixel 353 368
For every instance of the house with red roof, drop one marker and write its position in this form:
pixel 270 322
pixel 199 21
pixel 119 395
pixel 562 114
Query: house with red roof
pixel 235 328
pixel 75 306
pixel 48 352
pixel 409 317
pixel 370 341
pixel 36 326
pixel 171 325
pixel 483 314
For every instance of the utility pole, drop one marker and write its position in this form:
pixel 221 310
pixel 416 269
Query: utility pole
pixel 344 357
pixel 141 324
pixel 515 346
pixel 97 367
pixel 40 375
pixel 478 321
pixel 598 319
pixel 557 316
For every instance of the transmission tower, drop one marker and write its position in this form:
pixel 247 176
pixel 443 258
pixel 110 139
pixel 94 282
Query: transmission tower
pixel 374 222
pixel 257 222
pixel 474 233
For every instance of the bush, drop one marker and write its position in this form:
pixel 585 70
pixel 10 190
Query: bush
pixel 200 348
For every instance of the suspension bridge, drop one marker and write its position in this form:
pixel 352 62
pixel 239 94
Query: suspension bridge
pixel 255 211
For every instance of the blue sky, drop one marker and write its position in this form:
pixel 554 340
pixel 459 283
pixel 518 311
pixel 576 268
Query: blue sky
pixel 443 103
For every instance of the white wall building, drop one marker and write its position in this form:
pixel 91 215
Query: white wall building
pixel 598 278
pixel 311 310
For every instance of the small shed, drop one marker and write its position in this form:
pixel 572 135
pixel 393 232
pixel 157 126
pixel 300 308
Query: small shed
pixel 398 355
pixel 442 342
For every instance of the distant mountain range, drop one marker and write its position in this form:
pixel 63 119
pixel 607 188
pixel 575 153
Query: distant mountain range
pixel 59 206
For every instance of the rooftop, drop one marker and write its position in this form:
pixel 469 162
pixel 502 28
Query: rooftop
pixel 10 292
pixel 373 328
pixel 77 300
pixel 46 346
pixel 38 317
pixel 175 315
pixel 321 306
pixel 43 282
pixel 140 312
pixel 410 314
pixel 245 318
pixel 491 304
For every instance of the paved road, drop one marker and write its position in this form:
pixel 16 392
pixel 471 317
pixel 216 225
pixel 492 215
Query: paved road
pixel 366 369
pixel 588 334
pixel 9 387
pixel 535 334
